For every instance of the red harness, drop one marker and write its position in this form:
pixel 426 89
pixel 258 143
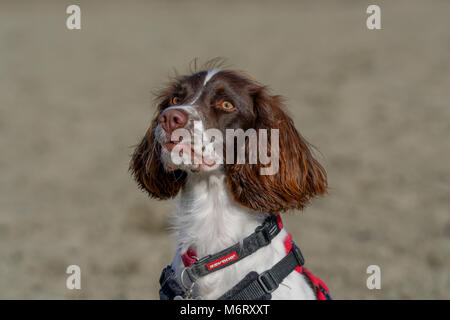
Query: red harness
pixel 321 290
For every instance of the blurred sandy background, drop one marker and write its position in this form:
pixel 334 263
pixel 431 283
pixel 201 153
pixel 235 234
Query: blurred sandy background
pixel 73 103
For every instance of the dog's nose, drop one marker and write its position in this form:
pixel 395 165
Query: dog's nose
pixel 172 119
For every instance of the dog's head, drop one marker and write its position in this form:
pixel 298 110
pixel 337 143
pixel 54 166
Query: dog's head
pixel 205 120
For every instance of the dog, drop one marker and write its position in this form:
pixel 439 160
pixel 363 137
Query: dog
pixel 221 203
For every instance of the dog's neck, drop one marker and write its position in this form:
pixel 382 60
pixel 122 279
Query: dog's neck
pixel 208 219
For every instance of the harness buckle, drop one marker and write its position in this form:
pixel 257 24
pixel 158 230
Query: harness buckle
pixel 266 231
pixel 298 255
pixel 267 281
pixel 263 236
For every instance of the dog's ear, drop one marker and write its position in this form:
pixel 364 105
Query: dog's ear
pixel 149 172
pixel 299 178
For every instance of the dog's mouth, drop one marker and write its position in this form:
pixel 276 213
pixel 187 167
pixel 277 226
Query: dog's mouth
pixel 172 143
pixel 196 160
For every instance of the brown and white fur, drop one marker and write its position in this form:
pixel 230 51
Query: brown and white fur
pixel 220 204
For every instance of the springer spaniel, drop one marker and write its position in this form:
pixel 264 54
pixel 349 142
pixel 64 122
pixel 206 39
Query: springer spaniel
pixel 222 202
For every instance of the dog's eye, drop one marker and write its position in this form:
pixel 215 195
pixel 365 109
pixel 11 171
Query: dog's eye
pixel 175 100
pixel 227 105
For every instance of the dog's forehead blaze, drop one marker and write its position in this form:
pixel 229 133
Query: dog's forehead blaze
pixel 196 85
pixel 197 80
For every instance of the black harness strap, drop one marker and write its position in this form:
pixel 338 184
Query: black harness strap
pixel 262 236
pixel 260 287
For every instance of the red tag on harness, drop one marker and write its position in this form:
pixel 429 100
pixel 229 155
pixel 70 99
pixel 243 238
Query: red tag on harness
pixel 222 261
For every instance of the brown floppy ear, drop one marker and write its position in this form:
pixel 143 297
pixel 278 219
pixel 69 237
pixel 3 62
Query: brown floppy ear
pixel 148 171
pixel 300 176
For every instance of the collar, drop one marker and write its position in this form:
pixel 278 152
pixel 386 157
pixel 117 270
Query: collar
pixel 263 235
